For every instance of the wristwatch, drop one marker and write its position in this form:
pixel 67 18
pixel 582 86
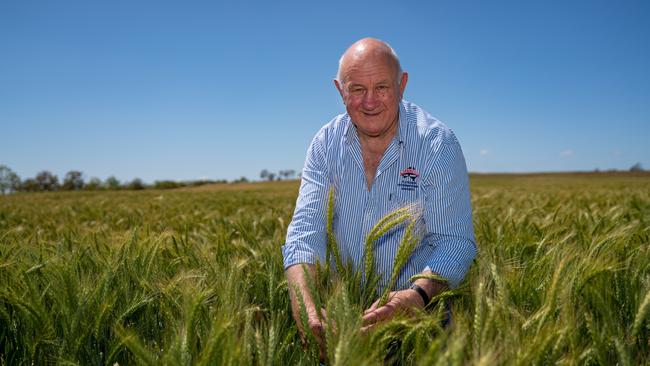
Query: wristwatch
pixel 423 294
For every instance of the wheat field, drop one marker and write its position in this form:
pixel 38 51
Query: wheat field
pixel 194 276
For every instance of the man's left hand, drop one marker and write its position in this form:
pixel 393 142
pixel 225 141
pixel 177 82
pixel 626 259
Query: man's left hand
pixel 399 302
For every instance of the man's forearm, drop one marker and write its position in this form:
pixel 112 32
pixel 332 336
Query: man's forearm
pixel 299 286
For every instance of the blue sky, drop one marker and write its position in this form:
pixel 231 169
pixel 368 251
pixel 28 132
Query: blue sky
pixel 188 90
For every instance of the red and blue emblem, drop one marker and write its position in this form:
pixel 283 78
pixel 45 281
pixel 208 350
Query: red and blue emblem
pixel 409 178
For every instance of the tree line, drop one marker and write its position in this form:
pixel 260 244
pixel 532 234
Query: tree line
pixel 281 175
pixel 45 181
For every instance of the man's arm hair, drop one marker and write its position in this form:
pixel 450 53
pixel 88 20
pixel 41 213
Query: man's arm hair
pixel 299 292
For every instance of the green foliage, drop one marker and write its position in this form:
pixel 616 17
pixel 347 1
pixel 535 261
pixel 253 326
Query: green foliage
pixel 9 180
pixel 46 181
pixel 136 184
pixel 112 183
pixel 73 181
pixel 167 184
pixel 196 277
pixel 93 184
pixel 332 245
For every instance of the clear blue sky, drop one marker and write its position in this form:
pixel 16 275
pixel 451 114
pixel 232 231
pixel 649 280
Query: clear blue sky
pixel 188 90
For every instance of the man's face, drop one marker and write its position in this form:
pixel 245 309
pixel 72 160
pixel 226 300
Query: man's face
pixel 371 94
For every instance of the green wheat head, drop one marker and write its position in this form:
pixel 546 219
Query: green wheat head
pixel 407 245
pixel 332 246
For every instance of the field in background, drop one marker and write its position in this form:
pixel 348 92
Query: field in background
pixel 195 276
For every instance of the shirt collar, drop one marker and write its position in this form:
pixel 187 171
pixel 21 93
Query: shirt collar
pixel 402 129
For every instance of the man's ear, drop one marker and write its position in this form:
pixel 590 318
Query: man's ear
pixel 339 87
pixel 402 85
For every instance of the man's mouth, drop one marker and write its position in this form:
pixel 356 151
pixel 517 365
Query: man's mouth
pixel 372 113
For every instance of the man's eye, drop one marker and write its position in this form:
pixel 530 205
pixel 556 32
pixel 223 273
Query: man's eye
pixel 357 91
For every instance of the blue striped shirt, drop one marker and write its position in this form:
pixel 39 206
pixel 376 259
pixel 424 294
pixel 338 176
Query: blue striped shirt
pixel 423 166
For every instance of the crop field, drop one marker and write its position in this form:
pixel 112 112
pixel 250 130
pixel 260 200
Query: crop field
pixel 194 276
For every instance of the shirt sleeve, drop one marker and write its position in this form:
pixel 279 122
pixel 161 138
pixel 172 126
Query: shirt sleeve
pixel 448 212
pixel 306 235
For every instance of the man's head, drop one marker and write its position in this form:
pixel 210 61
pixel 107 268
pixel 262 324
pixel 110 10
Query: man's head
pixel 371 83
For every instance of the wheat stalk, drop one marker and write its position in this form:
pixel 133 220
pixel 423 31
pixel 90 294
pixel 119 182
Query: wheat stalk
pixel 406 247
pixel 641 314
pixel 332 246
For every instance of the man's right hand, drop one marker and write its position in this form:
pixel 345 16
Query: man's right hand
pixel 317 327
pixel 298 288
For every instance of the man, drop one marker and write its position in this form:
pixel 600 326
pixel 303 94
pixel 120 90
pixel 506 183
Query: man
pixel 384 153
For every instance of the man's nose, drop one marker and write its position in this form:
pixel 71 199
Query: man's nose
pixel 370 99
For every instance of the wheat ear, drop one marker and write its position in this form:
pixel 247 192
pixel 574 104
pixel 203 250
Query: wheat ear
pixel 332 246
pixel 408 243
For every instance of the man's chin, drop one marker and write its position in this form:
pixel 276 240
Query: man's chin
pixel 371 132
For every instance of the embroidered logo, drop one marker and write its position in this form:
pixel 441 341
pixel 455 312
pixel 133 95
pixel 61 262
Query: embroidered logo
pixel 408 181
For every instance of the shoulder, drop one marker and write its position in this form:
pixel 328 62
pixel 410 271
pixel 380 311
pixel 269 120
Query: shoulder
pixel 428 131
pixel 333 131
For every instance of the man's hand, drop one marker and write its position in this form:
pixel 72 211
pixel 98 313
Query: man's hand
pixel 298 288
pixel 402 302
pixel 317 328
pixel 399 302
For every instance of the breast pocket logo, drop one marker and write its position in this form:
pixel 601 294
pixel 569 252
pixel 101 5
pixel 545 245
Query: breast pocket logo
pixel 409 179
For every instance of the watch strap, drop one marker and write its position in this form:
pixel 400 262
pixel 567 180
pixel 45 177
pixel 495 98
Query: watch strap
pixel 423 294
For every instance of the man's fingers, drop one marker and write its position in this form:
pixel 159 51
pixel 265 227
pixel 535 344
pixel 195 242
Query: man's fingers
pixel 385 312
pixel 368 328
pixel 382 313
pixel 323 314
pixel 317 329
pixel 372 307
pixel 369 318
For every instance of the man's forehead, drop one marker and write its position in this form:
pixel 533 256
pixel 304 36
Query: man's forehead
pixel 365 56
pixel 359 72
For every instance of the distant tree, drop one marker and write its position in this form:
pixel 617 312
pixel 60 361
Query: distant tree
pixel 240 180
pixel 73 181
pixel 9 181
pixel 93 184
pixel 112 183
pixel 271 177
pixel 283 174
pixel 15 182
pixel 167 184
pixel 636 167
pixel 47 181
pixel 136 184
pixel 29 185
pixel 196 183
pixel 264 174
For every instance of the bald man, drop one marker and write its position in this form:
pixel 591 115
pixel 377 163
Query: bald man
pixel 384 153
